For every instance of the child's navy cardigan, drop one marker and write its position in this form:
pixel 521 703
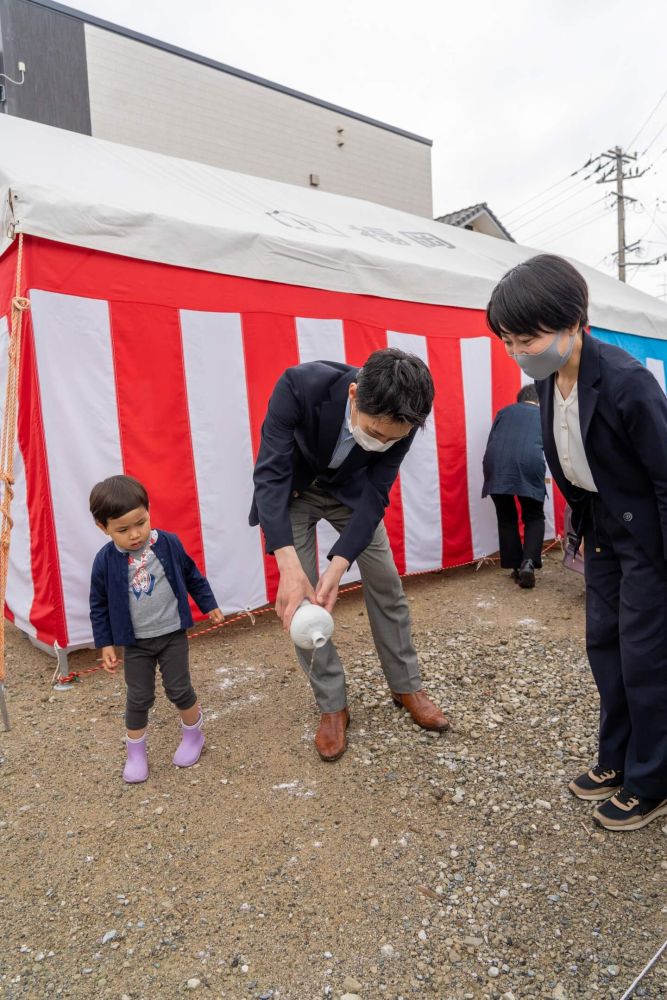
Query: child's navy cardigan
pixel 109 590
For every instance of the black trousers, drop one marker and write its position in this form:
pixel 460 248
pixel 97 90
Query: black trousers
pixel 626 640
pixel 512 552
pixel 171 653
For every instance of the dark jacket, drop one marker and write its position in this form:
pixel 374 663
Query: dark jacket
pixel 109 590
pixel 513 462
pixel 299 434
pixel 623 418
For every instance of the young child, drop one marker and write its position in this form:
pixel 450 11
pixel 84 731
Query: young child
pixel 139 599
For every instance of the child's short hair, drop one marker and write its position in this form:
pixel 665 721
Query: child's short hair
pixel 115 496
pixel 543 293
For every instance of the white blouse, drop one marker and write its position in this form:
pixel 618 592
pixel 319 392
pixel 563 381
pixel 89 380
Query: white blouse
pixel 569 442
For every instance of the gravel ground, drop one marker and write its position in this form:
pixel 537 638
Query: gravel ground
pixel 456 867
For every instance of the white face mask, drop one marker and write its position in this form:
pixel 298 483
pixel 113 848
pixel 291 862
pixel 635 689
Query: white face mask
pixel 366 441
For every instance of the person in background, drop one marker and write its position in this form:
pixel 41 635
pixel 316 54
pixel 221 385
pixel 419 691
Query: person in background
pixel 604 428
pixel 514 468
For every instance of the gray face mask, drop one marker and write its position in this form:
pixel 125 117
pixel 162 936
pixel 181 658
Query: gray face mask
pixel 547 362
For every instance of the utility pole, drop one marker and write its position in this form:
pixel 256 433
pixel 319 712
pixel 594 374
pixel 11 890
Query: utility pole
pixel 617 161
pixel 620 213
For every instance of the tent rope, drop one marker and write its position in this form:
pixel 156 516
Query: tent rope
pixel 20 305
pixel 74 675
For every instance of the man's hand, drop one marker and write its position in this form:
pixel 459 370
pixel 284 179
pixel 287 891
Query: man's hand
pixel 109 659
pixel 216 616
pixel 326 590
pixel 294 586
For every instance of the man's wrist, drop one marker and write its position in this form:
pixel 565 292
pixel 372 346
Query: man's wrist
pixel 339 565
pixel 287 558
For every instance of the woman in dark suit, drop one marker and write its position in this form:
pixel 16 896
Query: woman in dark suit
pixel 604 429
pixel 514 466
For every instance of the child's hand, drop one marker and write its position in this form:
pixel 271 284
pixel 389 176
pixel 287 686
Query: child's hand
pixel 216 616
pixel 109 659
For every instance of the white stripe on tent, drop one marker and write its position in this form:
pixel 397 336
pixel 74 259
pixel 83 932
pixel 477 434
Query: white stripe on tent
pixel 476 369
pixel 20 590
pixel 323 340
pixel 78 394
pixel 222 448
pixel 657 367
pixel 420 481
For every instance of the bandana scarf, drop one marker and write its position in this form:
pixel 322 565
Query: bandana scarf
pixel 142 582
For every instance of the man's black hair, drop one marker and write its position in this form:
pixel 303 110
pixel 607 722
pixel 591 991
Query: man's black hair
pixel 396 385
pixel 116 496
pixel 527 394
pixel 544 293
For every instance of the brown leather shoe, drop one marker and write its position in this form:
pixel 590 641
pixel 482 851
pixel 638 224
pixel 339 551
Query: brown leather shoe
pixel 330 739
pixel 423 711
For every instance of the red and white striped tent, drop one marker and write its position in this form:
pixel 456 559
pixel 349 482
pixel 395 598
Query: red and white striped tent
pixel 166 299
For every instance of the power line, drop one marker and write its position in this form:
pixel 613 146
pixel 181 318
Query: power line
pixel 529 218
pixel 587 222
pixel 554 225
pixel 546 190
pixel 511 211
pixel 636 136
pixel 654 139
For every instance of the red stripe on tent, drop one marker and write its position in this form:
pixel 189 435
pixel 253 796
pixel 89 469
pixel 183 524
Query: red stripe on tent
pixel 76 271
pixel 47 614
pixel 505 377
pixel 449 415
pixel 270 346
pixel 153 417
pixel 360 341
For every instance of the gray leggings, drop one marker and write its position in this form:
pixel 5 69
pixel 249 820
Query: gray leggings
pixel 170 653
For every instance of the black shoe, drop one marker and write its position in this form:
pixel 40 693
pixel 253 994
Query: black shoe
pixel 527 574
pixel 626 811
pixel 598 783
pixel 514 575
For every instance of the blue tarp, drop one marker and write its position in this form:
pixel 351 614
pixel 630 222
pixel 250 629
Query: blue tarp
pixel 652 353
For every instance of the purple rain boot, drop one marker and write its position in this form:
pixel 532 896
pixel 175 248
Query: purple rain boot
pixel 136 768
pixel 191 745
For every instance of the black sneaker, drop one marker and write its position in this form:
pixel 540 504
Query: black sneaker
pixel 598 783
pixel 527 574
pixel 626 811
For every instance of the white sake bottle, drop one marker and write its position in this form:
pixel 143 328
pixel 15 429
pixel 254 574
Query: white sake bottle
pixel 312 626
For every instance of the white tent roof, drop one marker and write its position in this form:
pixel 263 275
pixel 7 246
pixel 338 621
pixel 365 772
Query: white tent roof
pixel 91 193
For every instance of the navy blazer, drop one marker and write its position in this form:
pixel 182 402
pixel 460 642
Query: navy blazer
pixel 110 594
pixel 623 418
pixel 299 434
pixel 513 462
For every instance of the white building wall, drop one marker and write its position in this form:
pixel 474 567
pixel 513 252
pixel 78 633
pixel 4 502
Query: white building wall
pixel 144 96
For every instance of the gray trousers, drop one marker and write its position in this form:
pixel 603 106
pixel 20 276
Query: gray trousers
pixel 386 604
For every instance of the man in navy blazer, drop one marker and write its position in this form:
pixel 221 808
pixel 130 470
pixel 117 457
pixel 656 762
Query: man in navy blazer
pixel 332 444
pixel 514 469
pixel 604 430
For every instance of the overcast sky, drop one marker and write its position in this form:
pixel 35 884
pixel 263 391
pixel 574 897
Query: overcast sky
pixel 516 95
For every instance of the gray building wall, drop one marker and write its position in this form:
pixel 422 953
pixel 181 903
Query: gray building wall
pixel 144 96
pixel 90 76
pixel 55 91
